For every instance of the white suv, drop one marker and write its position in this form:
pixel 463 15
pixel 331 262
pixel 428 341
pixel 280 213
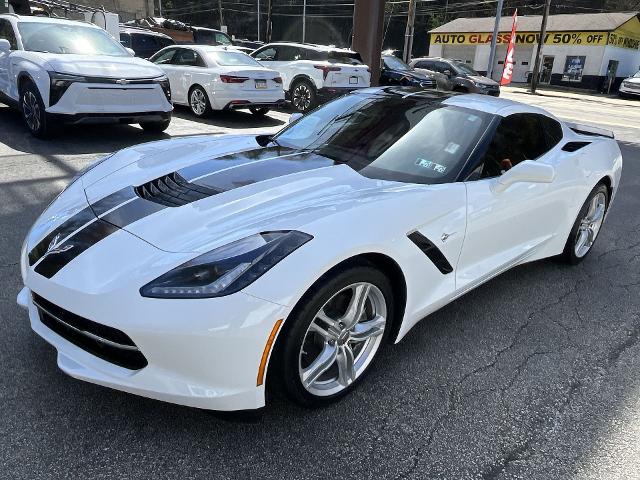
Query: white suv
pixel 58 71
pixel 314 73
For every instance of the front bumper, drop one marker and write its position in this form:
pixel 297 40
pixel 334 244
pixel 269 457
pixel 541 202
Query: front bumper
pixel 629 90
pixel 109 118
pixel 110 99
pixel 202 353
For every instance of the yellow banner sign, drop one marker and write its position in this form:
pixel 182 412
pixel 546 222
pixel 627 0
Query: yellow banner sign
pixel 523 38
pixel 623 41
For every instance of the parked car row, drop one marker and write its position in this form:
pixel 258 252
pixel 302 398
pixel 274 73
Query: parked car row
pixel 63 71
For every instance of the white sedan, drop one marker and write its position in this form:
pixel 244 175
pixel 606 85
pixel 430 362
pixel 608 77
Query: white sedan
pixel 199 270
pixel 219 78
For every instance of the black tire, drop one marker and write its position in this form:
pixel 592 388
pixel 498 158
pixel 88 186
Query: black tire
pixel 303 96
pixel 155 127
pixel 290 342
pixel 200 107
pixel 259 111
pixel 569 254
pixel 33 111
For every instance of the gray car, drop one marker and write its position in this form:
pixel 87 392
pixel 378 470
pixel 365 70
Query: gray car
pixel 456 76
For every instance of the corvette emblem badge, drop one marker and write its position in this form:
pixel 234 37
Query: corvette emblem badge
pixel 55 247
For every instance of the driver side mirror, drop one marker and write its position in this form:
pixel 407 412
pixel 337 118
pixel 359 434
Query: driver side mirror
pixel 448 73
pixel 5 46
pixel 295 117
pixel 527 171
pixel 131 51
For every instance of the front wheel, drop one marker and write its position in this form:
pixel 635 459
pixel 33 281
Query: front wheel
pixel 587 226
pixel 334 335
pixel 303 96
pixel 155 127
pixel 259 111
pixel 33 111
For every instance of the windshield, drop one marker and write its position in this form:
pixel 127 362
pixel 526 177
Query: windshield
pixel 233 59
pixel 394 63
pixel 462 68
pixel 405 139
pixel 67 38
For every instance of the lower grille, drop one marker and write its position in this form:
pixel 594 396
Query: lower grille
pixel 173 191
pixel 100 340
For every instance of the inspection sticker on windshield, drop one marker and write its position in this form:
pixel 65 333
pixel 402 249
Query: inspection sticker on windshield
pixel 452 148
pixel 436 167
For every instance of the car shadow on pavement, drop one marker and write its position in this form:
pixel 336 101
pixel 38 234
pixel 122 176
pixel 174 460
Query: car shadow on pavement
pixel 229 119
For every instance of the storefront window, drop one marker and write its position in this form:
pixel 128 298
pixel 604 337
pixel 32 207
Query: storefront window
pixel 573 69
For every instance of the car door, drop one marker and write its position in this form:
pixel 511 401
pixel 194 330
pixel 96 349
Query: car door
pixel 508 227
pixel 275 57
pixel 6 33
pixel 163 59
pixel 188 65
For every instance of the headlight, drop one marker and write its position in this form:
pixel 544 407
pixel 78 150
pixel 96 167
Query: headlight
pixel 166 86
pixel 226 269
pixel 59 83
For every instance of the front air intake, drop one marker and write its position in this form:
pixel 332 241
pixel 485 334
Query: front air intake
pixel 173 191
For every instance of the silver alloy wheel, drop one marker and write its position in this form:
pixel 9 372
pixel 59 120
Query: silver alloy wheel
pixel 198 102
pixel 343 339
pixel 590 225
pixel 31 111
pixel 301 97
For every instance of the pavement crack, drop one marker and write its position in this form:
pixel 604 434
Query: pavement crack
pixel 633 338
pixel 518 452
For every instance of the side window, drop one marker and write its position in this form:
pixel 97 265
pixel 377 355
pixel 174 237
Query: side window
pixel 316 55
pixel 289 54
pixel 125 39
pixel 143 43
pixel 422 64
pixel 552 131
pixel 7 33
pixel 268 54
pixel 442 67
pixel 222 39
pixel 519 137
pixel 164 57
pixel 188 58
pixel 165 42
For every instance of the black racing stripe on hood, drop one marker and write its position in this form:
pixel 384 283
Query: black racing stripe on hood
pixel 111 201
pixel 231 160
pixel 65 229
pixel 97 229
pixel 80 242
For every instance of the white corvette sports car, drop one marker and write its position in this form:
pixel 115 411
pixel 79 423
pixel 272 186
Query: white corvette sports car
pixel 199 270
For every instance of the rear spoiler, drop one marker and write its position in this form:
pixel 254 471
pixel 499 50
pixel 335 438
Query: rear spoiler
pixel 590 131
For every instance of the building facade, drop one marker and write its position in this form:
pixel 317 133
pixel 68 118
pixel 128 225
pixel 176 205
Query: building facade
pixel 592 51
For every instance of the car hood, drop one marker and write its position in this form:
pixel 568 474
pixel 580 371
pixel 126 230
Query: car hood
pixel 633 80
pixel 482 80
pixel 196 201
pixel 102 66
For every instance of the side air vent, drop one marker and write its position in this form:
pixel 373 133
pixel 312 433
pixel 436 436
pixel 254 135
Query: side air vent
pixel 575 146
pixel 432 252
pixel 173 191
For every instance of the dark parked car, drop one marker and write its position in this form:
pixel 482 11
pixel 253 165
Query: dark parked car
pixel 456 76
pixel 394 71
pixel 144 42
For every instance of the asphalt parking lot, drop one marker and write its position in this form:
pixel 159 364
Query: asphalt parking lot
pixel 533 375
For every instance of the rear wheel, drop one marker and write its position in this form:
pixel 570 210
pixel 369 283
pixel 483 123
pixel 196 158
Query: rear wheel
pixel 303 96
pixel 33 111
pixel 199 102
pixel 259 111
pixel 587 226
pixel 334 335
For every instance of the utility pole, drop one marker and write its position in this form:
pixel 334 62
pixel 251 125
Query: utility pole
pixel 267 37
pixel 494 39
pixel 160 7
pixel 258 20
pixel 408 33
pixel 543 34
pixel 220 12
pixel 304 21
